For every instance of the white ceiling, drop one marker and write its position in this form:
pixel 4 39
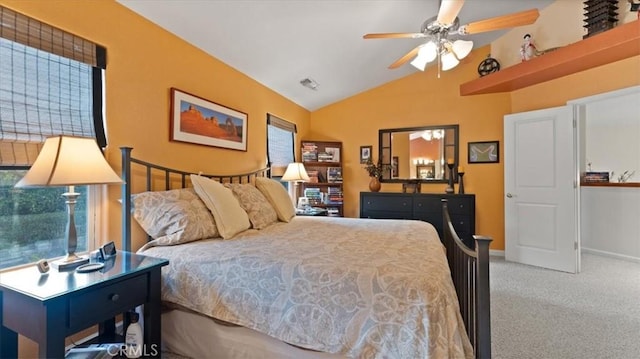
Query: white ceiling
pixel 280 42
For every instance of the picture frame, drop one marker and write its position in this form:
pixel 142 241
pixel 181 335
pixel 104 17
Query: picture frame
pixel 200 121
pixel 426 171
pixel 483 152
pixel 394 167
pixel 365 153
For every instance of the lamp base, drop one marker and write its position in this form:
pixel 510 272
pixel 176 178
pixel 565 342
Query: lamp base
pixel 69 263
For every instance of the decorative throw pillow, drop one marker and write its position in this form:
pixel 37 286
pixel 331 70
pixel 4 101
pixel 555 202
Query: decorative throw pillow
pixel 278 197
pixel 174 216
pixel 230 218
pixel 260 212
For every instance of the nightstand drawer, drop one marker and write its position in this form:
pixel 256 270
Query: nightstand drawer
pixel 108 301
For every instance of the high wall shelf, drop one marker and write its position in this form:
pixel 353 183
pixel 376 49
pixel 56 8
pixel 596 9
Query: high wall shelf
pixel 610 46
pixel 609 184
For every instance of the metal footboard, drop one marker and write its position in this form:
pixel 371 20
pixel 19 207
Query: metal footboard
pixel 470 274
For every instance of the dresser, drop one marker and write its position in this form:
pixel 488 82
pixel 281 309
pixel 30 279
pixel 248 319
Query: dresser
pixel 425 207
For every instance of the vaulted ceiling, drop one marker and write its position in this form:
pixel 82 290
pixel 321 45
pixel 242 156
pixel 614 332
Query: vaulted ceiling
pixel 281 42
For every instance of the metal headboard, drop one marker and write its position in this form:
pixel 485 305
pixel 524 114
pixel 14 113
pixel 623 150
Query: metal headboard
pixel 170 175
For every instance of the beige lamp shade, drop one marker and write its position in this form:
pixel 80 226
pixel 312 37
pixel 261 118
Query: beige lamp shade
pixel 295 173
pixel 69 161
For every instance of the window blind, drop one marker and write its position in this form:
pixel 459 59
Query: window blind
pixel 33 33
pixel 280 146
pixel 49 83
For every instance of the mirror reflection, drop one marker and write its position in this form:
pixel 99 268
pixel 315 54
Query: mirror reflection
pixel 418 153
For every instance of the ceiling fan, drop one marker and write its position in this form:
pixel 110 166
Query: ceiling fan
pixel 438 29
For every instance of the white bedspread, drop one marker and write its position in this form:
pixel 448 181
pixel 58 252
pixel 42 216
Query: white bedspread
pixel 363 288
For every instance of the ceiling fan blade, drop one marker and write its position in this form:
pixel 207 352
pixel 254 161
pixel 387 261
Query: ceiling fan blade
pixel 404 59
pixel 501 22
pixel 395 35
pixel 449 10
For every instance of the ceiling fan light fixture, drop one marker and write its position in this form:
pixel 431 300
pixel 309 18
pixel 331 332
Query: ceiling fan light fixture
pixel 462 48
pixel 420 62
pixel 426 54
pixel 448 60
pixel 429 51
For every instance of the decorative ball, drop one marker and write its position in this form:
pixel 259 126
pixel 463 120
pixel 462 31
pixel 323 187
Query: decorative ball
pixel 488 66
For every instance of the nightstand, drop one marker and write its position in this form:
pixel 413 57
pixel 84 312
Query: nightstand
pixel 47 308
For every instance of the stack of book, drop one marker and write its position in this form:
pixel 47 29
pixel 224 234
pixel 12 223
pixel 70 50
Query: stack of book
pixel 309 152
pixel 325 157
pixel 596 177
pixel 334 174
pixel 314 195
pixel 333 212
pixel 334 195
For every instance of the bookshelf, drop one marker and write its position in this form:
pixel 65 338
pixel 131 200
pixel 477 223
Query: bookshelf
pixel 323 162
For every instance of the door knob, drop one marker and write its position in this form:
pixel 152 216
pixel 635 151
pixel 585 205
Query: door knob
pixel 509 195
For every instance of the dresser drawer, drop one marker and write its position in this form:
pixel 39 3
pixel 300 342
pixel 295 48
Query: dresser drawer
pixel 461 224
pixel 105 302
pixel 386 203
pixel 456 205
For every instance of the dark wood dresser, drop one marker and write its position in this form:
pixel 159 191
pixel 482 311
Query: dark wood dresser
pixel 425 207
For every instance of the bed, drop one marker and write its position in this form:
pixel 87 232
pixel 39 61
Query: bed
pixel 309 287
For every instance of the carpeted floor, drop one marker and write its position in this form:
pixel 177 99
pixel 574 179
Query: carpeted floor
pixel 539 313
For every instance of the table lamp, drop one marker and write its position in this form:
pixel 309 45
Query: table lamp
pixel 295 173
pixel 69 161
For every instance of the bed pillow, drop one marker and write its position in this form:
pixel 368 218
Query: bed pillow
pixel 230 218
pixel 174 216
pixel 260 211
pixel 278 197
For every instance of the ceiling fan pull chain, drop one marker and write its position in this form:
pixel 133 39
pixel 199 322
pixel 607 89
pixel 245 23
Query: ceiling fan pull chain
pixel 439 54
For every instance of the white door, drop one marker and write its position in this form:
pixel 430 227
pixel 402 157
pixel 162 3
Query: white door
pixel 540 181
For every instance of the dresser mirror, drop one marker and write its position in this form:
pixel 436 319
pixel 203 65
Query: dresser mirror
pixel 418 153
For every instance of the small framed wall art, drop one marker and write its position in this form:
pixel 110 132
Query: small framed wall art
pixel 200 121
pixel 484 152
pixel 365 153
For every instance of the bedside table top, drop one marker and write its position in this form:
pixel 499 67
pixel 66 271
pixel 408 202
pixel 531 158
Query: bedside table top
pixel 29 281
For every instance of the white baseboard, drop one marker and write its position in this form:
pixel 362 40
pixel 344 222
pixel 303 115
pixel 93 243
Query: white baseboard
pixel 496 253
pixel 610 254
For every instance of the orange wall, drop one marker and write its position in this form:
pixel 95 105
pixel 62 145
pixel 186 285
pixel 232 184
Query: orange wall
pixel 143 63
pixel 620 74
pixel 422 99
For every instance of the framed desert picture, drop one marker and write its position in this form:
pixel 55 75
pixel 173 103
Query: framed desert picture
pixel 200 121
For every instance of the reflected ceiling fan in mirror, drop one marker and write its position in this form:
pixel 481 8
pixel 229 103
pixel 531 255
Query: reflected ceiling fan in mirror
pixel 438 29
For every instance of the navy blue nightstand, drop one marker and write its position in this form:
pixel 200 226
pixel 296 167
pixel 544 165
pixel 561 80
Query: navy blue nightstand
pixel 49 307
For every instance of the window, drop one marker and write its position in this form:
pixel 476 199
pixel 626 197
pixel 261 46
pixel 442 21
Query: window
pixel 280 145
pixel 50 84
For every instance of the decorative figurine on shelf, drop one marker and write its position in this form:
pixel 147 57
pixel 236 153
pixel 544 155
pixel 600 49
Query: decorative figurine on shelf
pixel 625 176
pixel 449 188
pixel 488 66
pixel 528 49
pixel 460 182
